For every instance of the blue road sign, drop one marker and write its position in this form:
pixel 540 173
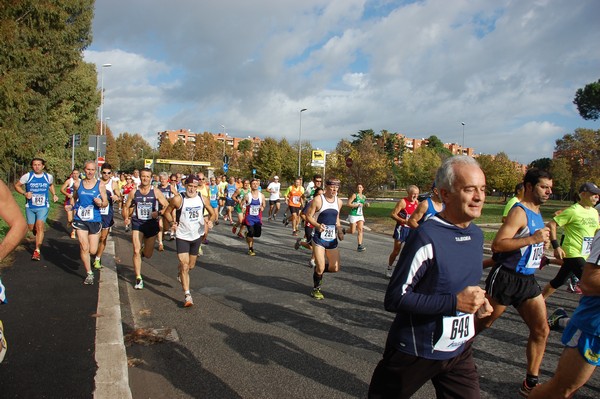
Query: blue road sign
pixel 225 167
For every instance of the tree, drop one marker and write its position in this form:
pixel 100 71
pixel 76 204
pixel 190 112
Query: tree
pixel 47 93
pixel 501 174
pixel 582 152
pixel 435 143
pixel 588 101
pixel 363 134
pixel 541 163
pixel 419 168
pixel 132 149
pixel 561 177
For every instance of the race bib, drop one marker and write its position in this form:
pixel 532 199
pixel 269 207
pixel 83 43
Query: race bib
pixel 586 248
pixel 213 196
pixel 193 214
pixel 144 211
pixel 329 233
pixel 456 331
pixel 295 199
pixel 86 213
pixel 535 258
pixel 38 199
pixel 359 210
pixel 104 211
pixel 254 210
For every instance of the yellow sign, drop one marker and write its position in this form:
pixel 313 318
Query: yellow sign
pixel 148 162
pixel 318 155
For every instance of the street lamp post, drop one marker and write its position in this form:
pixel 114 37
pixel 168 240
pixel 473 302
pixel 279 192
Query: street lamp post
pixel 101 105
pixel 224 138
pixel 463 143
pixel 299 140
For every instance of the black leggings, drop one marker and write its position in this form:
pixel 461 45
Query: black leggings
pixel 570 265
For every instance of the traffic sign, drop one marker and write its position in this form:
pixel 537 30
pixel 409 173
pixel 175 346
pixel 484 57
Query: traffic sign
pixel 100 161
pixel 349 162
pixel 225 159
pixel 225 167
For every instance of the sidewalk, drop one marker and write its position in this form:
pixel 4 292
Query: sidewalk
pixel 50 321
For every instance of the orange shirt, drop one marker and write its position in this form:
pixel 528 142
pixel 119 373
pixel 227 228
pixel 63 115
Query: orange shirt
pixel 294 198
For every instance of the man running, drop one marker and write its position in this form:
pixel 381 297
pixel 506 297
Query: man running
pixel 324 215
pixel 36 186
pixel 518 249
pixel 141 209
pixel 579 222
pixel 426 209
pixel 189 207
pixel 67 190
pixel 239 198
pixel 294 201
pixel 106 213
pixel 274 189
pixel 435 294
pixel 316 182
pixel 401 213
pixel 214 195
pixel 90 196
pixel 254 204
pixel 169 190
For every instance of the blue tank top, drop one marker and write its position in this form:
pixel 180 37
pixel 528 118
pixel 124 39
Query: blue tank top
pixel 253 214
pixel 85 208
pixel 39 187
pixel 214 194
pixel 525 260
pixel 231 189
pixel 144 205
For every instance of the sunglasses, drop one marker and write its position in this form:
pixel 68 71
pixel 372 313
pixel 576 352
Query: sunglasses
pixel 106 173
pixel 202 178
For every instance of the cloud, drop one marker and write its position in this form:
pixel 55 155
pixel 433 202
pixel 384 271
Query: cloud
pixel 508 69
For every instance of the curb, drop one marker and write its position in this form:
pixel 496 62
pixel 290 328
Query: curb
pixel 112 376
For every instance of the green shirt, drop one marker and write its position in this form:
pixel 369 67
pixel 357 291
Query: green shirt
pixel 580 225
pixel 361 199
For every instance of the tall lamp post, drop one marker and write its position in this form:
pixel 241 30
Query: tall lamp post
pixel 224 138
pixel 463 143
pixel 101 106
pixel 299 140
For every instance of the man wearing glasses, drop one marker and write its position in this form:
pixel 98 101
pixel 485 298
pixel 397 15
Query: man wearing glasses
pixel 113 195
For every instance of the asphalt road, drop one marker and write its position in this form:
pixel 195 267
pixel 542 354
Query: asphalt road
pixel 254 331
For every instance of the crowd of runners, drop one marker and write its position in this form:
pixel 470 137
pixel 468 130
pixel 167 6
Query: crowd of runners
pixel 435 265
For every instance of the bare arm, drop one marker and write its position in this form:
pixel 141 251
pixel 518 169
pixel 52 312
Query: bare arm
pixel 515 221
pixel 349 202
pixel 559 253
pixel 396 212
pixel 590 280
pixel 12 215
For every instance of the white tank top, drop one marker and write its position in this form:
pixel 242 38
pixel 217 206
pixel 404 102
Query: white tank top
pixel 191 218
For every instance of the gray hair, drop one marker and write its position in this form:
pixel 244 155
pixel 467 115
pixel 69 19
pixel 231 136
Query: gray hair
pixel 163 174
pixel 446 174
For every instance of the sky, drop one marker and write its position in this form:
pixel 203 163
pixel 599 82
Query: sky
pixel 507 69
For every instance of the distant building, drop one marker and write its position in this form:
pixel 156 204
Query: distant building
pixel 187 136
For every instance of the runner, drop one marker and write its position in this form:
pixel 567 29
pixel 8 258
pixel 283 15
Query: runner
pixel 581 337
pixel 426 209
pixel 435 294
pixel 324 215
pixel 114 197
pixel 229 202
pixel 306 241
pixel 579 222
pixel 17 228
pixel 204 191
pixel 294 201
pixel 239 198
pixel 122 183
pixel 35 186
pixel 90 196
pixel 214 196
pixel 518 249
pixel 356 202
pixel 127 189
pixel 169 191
pixel 67 190
pixel 222 196
pixel 401 213
pixel 141 210
pixel 191 224
pixel 254 204
pixel 316 182
pixel 274 189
